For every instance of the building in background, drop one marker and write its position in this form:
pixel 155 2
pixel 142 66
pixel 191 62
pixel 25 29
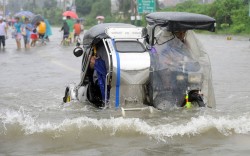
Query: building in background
pixel 66 4
pixel 3 10
pixel 114 6
pixel 207 1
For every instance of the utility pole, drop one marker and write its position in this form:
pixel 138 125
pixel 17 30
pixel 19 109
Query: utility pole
pixel 64 5
pixel 34 3
pixel 73 6
pixel 133 11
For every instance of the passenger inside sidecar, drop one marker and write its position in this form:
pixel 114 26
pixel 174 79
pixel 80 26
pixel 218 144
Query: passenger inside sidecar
pixel 96 74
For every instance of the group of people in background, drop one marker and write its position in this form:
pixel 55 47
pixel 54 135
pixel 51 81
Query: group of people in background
pixel 71 30
pixel 30 33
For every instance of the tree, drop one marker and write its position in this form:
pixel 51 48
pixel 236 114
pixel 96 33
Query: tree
pixel 124 6
pixel 34 4
pixel 102 7
pixel 14 6
pixel 233 13
pixel 50 4
pixel 83 7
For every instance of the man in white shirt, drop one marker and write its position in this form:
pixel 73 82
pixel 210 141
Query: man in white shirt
pixel 3 32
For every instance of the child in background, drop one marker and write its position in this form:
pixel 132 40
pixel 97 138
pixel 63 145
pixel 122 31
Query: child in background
pixel 77 29
pixel 34 38
pixel 65 29
pixel 26 29
pixel 18 35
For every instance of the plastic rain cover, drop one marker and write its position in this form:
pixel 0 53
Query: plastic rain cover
pixel 176 67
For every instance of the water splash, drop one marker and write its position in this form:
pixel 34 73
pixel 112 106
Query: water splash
pixel 29 125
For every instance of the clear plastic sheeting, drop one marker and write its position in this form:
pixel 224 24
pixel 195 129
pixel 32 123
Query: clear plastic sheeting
pixel 178 67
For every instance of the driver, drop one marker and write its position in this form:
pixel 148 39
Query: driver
pixel 180 35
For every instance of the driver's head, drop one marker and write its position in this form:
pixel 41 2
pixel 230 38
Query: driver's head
pixel 180 34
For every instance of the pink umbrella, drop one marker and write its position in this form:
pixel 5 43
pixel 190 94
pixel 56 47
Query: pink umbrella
pixel 100 17
pixel 72 14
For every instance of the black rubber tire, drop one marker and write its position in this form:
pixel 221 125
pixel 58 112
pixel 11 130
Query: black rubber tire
pixel 66 94
pixel 195 97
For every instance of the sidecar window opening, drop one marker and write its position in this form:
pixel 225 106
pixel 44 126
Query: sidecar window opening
pixel 102 53
pixel 129 47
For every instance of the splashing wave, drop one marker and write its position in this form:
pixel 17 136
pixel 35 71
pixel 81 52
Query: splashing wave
pixel 29 125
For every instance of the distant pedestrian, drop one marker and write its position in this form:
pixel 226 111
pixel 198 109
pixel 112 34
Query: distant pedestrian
pixel 65 29
pixel 27 28
pixel 34 37
pixel 6 23
pixel 18 34
pixel 41 29
pixel 71 28
pixel 3 32
pixel 77 29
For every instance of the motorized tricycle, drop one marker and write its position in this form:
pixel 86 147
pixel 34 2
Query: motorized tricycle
pixel 129 67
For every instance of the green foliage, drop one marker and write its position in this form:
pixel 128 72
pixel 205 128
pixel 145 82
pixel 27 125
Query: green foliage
pixel 14 5
pixel 125 7
pixel 231 15
pixel 48 10
pixel 92 8
pixel 224 25
pixel 50 4
pixel 84 6
pixel 238 28
pixel 101 7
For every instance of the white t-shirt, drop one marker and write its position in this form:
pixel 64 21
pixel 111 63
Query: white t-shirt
pixel 2 29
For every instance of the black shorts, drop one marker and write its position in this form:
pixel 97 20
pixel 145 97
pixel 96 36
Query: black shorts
pixel 41 36
pixel 65 36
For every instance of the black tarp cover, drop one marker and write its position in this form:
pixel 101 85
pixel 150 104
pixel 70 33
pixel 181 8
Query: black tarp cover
pixel 176 21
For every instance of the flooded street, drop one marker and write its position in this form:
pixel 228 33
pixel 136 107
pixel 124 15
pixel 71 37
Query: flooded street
pixel 33 120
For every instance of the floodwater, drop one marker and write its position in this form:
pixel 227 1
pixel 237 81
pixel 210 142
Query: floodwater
pixel 33 120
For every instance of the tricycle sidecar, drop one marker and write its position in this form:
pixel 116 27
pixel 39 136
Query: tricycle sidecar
pixel 115 67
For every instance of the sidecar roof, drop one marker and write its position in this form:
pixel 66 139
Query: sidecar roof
pixel 176 21
pixel 97 32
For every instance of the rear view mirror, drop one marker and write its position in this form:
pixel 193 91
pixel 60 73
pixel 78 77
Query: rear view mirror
pixel 78 51
pixel 144 32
